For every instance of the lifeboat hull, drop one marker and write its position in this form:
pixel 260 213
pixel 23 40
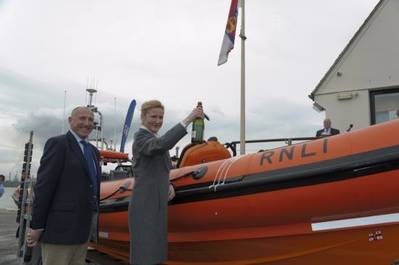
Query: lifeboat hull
pixel 321 202
pixel 346 247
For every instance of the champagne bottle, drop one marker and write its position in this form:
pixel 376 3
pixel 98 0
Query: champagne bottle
pixel 197 132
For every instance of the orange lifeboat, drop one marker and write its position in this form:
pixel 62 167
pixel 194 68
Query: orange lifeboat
pixel 328 201
pixel 113 156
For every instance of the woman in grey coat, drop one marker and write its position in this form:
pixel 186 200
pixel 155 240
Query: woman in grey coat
pixel 148 208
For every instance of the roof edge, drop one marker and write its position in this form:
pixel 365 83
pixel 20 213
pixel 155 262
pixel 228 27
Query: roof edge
pixel 351 41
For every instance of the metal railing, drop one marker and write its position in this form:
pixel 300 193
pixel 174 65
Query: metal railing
pixel 288 141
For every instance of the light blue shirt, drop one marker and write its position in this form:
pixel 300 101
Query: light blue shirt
pixel 78 139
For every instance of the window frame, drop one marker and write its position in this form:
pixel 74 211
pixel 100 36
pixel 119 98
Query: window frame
pixel 373 94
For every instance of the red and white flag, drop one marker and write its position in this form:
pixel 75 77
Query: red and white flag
pixel 230 33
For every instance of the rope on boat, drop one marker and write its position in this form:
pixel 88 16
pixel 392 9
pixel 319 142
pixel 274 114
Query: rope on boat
pixel 124 187
pixel 217 176
pixel 221 174
pixel 235 159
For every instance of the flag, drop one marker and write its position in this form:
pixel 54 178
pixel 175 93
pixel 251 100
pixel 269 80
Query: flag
pixel 126 126
pixel 229 34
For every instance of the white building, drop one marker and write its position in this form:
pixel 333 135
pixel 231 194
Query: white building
pixel 362 86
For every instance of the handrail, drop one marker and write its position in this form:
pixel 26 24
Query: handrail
pixel 288 140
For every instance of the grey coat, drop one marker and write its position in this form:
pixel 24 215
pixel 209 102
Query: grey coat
pixel 148 208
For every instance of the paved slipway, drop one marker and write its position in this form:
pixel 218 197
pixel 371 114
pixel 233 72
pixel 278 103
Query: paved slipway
pixel 9 243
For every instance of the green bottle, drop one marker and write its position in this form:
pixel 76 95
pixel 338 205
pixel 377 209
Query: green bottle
pixel 197 133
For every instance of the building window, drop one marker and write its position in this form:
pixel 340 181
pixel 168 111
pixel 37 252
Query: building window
pixel 384 105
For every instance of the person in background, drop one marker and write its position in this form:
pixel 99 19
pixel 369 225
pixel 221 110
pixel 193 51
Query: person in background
pixel 148 208
pixel 327 130
pixel 174 161
pixel 2 179
pixel 66 193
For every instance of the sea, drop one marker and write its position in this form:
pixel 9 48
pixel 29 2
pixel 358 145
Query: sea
pixel 6 201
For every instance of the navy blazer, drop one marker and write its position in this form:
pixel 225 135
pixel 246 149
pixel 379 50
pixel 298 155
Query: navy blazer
pixel 63 192
pixel 333 131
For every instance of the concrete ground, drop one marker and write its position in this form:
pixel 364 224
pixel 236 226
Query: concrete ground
pixel 9 244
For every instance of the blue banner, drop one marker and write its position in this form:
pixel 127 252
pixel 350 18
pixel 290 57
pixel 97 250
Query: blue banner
pixel 126 126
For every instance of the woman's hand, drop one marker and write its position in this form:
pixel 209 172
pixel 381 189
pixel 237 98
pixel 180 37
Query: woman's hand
pixel 197 112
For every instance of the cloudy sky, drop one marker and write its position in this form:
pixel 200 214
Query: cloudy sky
pixel 166 50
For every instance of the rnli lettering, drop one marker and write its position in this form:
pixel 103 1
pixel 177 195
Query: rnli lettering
pixel 325 146
pixel 303 152
pixel 266 155
pixel 287 153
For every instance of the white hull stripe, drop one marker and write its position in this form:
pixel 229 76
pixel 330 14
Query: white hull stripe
pixel 102 234
pixel 354 222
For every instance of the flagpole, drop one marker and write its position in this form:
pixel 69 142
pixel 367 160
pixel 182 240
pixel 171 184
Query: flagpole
pixel 242 105
pixel 227 46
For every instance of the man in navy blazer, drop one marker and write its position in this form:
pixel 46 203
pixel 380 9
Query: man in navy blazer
pixel 67 193
pixel 327 130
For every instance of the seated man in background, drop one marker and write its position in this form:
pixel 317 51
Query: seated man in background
pixel 327 130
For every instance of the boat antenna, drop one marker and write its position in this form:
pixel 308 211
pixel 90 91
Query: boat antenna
pixel 63 114
pixel 113 137
pixel 91 92
pixel 96 87
pixel 97 125
pixel 87 86
pixel 350 127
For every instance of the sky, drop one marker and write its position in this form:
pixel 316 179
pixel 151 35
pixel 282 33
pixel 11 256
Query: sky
pixel 52 50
